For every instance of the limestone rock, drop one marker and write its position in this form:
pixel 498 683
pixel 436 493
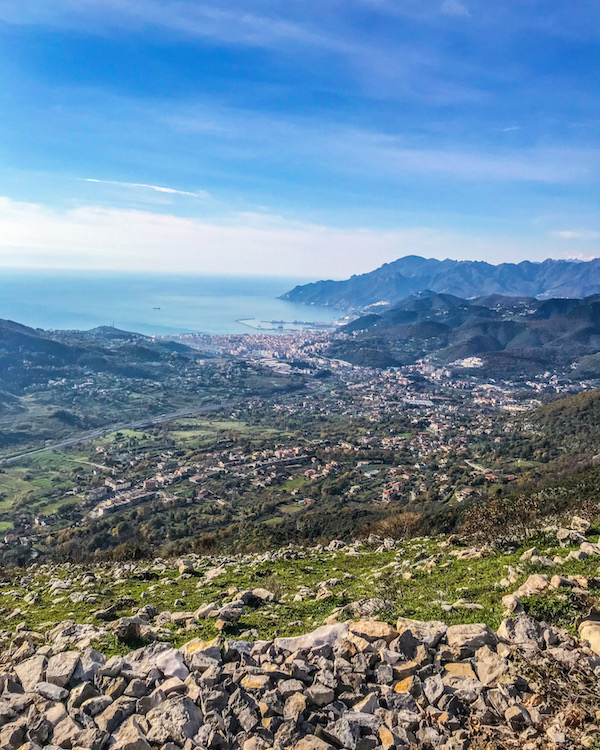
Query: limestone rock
pixel 569 536
pixel 534 585
pixel 512 604
pixel 61 667
pixel 325 635
pixel 469 638
pixel 522 630
pixel 31 671
pixel 372 630
pixel 175 720
pixel 589 630
pixel 429 633
pixel 51 691
pixel 580 524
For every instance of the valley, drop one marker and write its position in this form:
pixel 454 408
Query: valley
pixel 207 501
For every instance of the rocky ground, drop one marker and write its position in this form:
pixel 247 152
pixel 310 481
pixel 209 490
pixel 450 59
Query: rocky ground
pixel 318 648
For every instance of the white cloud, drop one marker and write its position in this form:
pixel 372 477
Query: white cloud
pixel 96 237
pixel 585 235
pixel 155 188
pixel 455 8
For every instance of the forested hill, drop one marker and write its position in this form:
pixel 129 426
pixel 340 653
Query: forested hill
pixel 571 425
pixel 29 356
pixel 512 336
pixel 394 281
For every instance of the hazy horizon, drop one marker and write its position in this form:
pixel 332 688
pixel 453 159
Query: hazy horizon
pixel 289 279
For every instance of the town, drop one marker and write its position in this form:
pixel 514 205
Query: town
pixel 340 440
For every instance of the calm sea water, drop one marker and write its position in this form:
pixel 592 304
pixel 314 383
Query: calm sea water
pixel 129 301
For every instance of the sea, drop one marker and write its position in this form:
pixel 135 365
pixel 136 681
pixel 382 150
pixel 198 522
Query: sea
pixel 155 304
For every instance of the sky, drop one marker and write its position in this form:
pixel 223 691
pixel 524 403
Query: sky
pixel 297 138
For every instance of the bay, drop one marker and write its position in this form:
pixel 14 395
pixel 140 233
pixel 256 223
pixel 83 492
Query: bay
pixel 152 303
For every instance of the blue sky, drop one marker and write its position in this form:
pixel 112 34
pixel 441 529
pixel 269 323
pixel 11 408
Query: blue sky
pixel 298 137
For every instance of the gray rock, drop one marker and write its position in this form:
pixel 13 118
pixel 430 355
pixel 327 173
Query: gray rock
pixel 128 629
pixel 433 688
pixel 31 671
pixel 136 689
pixel 325 635
pixel 80 694
pixel 517 717
pixel 67 733
pixel 112 667
pixel 288 687
pixel 108 614
pixel 61 668
pixel 319 695
pixel 490 666
pixel 428 633
pixel 176 720
pixel 466 639
pixel 343 734
pixel 522 630
pixel 51 691
pixel 12 735
pixel 116 713
pixel 88 665
pixel 132 734
pixel 568 537
pixel 170 661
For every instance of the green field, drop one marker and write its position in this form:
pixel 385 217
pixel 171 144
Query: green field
pixel 295 483
pixel 38 482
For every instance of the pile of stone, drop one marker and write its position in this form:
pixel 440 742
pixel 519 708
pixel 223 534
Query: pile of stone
pixel 150 624
pixel 359 685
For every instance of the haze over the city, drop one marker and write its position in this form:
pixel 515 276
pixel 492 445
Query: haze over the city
pixel 297 138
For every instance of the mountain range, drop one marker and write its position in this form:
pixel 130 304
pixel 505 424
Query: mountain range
pixel 392 282
pixel 513 335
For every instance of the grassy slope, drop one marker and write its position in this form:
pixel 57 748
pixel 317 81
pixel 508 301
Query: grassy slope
pixel 371 574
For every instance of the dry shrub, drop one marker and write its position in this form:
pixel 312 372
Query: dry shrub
pixel 503 520
pixel 400 526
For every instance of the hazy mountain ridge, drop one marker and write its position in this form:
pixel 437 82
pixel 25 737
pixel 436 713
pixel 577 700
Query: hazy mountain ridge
pixel 394 281
pixel 29 355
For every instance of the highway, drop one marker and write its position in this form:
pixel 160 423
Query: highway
pixel 101 431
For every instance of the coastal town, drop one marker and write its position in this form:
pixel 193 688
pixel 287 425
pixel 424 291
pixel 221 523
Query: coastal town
pixel 340 437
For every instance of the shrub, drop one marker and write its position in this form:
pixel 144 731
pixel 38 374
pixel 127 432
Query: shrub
pixel 503 520
pixel 400 526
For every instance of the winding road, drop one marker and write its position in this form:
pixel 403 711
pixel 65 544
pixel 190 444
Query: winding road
pixel 101 431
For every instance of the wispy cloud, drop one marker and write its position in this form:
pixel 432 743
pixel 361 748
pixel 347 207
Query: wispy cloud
pixel 371 153
pixel 541 165
pixel 229 21
pixel 583 235
pixel 156 188
pixel 455 8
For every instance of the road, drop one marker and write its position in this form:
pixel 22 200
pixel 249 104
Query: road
pixel 93 434
pixel 478 467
